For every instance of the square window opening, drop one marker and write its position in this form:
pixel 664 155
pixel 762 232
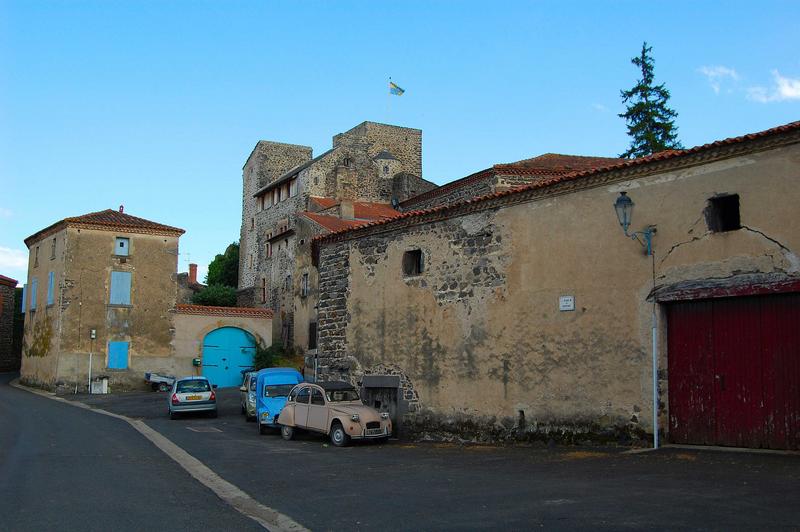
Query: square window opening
pixel 722 214
pixel 121 246
pixel 412 263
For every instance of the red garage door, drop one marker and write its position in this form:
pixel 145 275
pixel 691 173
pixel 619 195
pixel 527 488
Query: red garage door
pixel 734 371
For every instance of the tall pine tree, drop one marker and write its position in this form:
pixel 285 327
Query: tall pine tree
pixel 651 123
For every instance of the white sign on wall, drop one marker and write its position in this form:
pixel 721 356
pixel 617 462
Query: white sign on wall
pixel 566 303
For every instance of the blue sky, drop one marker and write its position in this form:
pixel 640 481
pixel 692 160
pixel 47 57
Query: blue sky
pixel 156 105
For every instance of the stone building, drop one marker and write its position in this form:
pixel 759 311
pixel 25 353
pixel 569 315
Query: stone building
pixel 9 360
pixel 290 196
pixel 103 287
pixel 527 313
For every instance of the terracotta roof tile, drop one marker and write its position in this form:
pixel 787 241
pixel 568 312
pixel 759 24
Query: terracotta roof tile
pixel 625 163
pixel 108 219
pixel 8 281
pixel 333 224
pixel 206 310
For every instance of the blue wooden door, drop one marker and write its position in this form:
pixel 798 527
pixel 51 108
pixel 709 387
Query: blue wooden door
pixel 226 352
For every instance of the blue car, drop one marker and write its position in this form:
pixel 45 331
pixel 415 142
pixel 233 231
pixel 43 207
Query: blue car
pixel 272 387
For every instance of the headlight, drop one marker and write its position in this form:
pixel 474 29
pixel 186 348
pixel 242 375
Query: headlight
pixel 265 415
pixel 384 415
pixel 354 417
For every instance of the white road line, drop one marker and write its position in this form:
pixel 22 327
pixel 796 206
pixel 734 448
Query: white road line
pixel 233 496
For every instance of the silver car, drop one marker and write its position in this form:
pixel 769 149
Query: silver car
pixel 192 394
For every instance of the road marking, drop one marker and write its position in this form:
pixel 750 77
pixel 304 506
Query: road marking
pixel 267 517
pixel 203 429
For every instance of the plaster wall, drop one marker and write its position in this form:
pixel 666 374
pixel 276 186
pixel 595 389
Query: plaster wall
pixel 479 334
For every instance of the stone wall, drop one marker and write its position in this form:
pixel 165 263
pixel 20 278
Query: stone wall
pixel 9 360
pixel 479 334
pixel 470 187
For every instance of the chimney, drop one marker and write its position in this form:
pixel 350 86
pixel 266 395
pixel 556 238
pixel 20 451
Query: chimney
pixel 122 208
pixel 192 273
pixel 346 210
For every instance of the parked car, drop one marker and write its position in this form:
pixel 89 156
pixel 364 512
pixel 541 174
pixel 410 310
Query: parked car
pixel 272 387
pixel 192 394
pixel 335 409
pixel 247 395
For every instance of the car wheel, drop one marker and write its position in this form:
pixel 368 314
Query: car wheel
pixel 287 432
pixel 262 429
pixel 173 415
pixel 163 387
pixel 338 436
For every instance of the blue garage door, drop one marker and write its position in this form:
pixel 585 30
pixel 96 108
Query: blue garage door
pixel 226 352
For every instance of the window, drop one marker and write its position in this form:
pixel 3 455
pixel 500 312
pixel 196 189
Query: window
pixel 312 335
pixel 304 285
pixel 293 188
pixel 316 179
pixel 53 249
pixel 261 202
pixel 250 260
pixel 36 257
pixel 263 290
pixel 120 288
pixel 316 398
pixel 51 287
pixel 722 214
pixel 121 247
pixel 269 247
pixel 347 161
pixel 288 283
pixel 285 191
pixel 275 197
pixel 302 395
pixel 386 169
pixel 412 262
pixel 34 286
pixel 118 355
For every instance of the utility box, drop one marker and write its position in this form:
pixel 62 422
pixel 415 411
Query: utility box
pixel 196 362
pixel 99 385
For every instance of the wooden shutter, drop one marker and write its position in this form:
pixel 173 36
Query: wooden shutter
pixel 34 283
pixel 120 288
pixel 51 286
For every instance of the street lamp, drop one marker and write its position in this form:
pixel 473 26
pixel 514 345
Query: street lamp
pixel 624 208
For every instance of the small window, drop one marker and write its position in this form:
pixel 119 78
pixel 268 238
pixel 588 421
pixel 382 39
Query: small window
pixel 120 288
pixel 263 290
pixel 316 179
pixel 288 283
pixel 386 169
pixel 252 223
pixel 121 246
pixel 304 285
pixel 293 188
pixel 317 399
pixel 53 249
pixel 312 335
pixel 412 262
pixel 250 260
pixel 722 214
pixel 36 257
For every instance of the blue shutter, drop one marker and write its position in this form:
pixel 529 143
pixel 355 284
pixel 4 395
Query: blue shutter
pixel 34 283
pixel 121 246
pixel 51 287
pixel 120 288
pixel 24 297
pixel 118 355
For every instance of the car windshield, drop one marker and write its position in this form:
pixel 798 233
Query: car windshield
pixel 342 395
pixel 193 386
pixel 277 390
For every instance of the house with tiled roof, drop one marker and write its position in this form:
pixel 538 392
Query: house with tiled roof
pixel 555 310
pixel 289 196
pixel 101 299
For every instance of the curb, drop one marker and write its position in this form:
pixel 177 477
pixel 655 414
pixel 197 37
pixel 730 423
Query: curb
pixel 265 516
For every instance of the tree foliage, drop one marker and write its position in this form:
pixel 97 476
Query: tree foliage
pixel 216 295
pixel 267 357
pixel 651 123
pixel 224 269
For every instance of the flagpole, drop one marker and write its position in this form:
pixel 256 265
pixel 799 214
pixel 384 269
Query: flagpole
pixel 389 102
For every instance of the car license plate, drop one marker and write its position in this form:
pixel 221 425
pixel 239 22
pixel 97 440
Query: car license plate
pixel 193 398
pixel 374 432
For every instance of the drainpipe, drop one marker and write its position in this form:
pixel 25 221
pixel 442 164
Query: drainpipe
pixel 655 381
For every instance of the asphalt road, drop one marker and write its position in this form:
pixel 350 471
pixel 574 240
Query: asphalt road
pixel 403 486
pixel 64 468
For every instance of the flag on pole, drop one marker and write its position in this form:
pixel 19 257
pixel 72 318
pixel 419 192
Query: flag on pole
pixel 395 89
